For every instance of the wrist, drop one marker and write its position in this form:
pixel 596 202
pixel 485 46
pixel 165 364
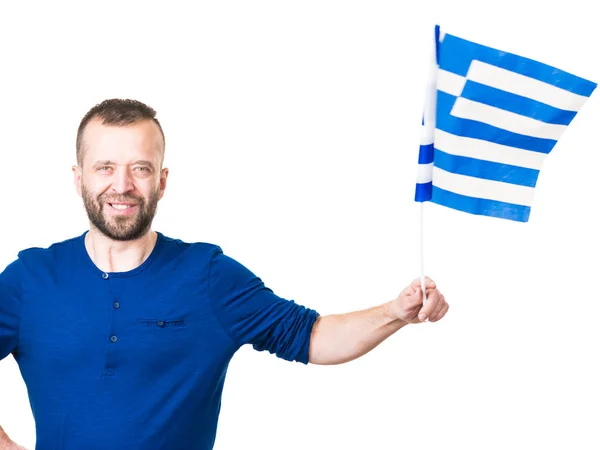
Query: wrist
pixel 391 315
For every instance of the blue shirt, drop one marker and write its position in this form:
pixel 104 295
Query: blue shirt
pixel 137 360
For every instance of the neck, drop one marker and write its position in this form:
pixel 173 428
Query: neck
pixel 118 256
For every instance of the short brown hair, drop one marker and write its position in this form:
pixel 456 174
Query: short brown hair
pixel 118 112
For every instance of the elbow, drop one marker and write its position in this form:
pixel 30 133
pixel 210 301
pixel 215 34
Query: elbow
pixel 323 349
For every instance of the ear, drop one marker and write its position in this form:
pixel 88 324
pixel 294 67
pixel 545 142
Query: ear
pixel 77 178
pixel 164 173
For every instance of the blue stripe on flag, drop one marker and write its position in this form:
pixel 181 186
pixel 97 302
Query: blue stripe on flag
pixel 487 170
pixel 478 130
pixel 480 206
pixel 423 192
pixel 517 104
pixel 426 154
pixel 456 55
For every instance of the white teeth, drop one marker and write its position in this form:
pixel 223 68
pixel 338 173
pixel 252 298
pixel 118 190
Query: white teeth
pixel 121 206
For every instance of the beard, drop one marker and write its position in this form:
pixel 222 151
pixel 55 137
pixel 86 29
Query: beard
pixel 120 228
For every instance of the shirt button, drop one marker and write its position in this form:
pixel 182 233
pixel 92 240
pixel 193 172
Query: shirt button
pixel 105 275
pixel 114 339
pixel 160 323
pixel 116 305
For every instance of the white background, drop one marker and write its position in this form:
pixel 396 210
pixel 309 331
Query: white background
pixel 292 138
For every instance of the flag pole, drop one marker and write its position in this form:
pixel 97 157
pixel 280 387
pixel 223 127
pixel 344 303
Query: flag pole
pixel 422 250
pixel 429 116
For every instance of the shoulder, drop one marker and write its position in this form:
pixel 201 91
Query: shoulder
pixel 206 255
pixel 31 259
pixel 189 248
pixel 193 257
pixel 49 254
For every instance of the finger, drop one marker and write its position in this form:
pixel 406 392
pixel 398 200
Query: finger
pixel 429 283
pixel 440 311
pixel 443 311
pixel 415 298
pixel 433 299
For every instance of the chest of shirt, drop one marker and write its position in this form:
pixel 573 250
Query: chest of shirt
pixel 103 327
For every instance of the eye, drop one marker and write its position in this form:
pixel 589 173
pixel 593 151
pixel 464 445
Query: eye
pixel 144 169
pixel 103 168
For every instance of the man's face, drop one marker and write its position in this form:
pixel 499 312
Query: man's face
pixel 121 180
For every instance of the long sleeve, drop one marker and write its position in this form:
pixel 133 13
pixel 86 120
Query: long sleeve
pixel 252 314
pixel 10 307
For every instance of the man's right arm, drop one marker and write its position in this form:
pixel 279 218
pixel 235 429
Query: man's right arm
pixel 10 308
pixel 10 312
pixel 6 443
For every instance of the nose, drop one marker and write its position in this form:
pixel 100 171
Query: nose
pixel 123 180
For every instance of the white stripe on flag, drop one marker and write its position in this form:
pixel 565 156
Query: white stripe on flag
pixel 481 188
pixel 524 86
pixel 506 120
pixel 487 151
pixel 424 172
pixel 450 83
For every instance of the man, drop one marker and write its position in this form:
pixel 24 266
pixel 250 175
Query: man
pixel 123 335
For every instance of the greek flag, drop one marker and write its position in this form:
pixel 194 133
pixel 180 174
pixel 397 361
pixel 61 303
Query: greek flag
pixel 490 119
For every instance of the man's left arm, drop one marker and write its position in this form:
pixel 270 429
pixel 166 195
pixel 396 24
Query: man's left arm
pixel 339 338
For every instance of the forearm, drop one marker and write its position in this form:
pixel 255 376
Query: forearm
pixel 339 338
pixel 5 442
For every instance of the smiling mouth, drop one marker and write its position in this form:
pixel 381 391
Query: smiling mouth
pixel 121 207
